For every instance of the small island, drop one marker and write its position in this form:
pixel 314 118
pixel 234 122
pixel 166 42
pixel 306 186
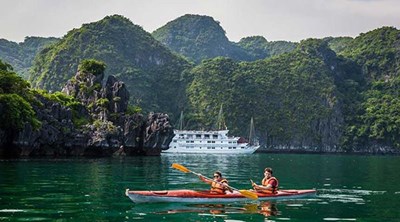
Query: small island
pixel 86 119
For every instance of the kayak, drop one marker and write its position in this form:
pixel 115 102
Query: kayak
pixel 193 196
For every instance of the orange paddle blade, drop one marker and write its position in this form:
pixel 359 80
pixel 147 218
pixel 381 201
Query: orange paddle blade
pixel 180 168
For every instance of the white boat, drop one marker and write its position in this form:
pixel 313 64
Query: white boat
pixel 216 141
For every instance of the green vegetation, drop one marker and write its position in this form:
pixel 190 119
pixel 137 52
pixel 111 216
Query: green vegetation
pixel 338 44
pixel 15 112
pixel 21 55
pixel 376 119
pixel 14 108
pixel 92 66
pixel 376 52
pixel 131 54
pixel 198 37
pixel 259 48
pixel 68 101
pixel 287 95
pixel 133 110
pixel 105 125
pixel 201 37
pixel 338 92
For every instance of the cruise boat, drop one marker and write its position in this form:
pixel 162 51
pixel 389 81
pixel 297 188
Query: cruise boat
pixel 217 141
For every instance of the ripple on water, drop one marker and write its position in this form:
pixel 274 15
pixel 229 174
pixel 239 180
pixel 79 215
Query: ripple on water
pixel 352 191
pixel 342 198
pixel 11 210
pixel 347 195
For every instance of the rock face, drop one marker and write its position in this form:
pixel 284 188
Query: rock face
pixel 110 132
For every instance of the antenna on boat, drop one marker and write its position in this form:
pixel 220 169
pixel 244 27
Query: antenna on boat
pixel 181 121
pixel 252 132
pixel 220 120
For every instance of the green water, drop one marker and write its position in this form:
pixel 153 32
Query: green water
pixel 350 188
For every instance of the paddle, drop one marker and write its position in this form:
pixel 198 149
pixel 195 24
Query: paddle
pixel 245 193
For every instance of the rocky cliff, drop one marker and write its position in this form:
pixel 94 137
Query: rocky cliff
pixel 98 126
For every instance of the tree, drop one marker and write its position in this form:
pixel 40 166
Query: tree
pixel 92 66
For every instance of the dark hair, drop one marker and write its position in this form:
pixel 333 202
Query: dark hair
pixel 219 173
pixel 268 169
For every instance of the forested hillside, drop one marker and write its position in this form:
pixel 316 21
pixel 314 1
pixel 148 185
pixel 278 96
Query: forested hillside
pixel 257 47
pixel 197 37
pixel 377 53
pixel 200 37
pixel 21 55
pixel 331 94
pixel 297 99
pixel 150 71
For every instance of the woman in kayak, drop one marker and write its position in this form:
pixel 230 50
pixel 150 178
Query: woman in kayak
pixel 269 183
pixel 219 185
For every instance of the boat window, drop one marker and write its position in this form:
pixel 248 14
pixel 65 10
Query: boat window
pixel 198 136
pixel 206 136
pixel 215 136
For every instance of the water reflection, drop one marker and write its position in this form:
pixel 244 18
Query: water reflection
pixel 266 208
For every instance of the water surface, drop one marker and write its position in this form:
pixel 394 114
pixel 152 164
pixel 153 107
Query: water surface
pixel 350 188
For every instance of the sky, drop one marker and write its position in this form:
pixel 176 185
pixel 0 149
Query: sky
pixel 290 20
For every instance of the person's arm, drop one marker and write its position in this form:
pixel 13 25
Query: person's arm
pixel 226 186
pixel 268 187
pixel 204 179
pixel 260 187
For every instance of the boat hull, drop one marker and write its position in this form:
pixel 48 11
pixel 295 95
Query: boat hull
pixel 247 150
pixel 192 196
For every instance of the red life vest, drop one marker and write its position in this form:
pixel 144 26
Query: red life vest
pixel 272 189
pixel 217 188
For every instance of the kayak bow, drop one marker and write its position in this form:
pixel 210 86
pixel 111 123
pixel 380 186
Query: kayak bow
pixel 192 196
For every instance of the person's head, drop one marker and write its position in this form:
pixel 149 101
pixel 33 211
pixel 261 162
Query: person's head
pixel 217 175
pixel 268 172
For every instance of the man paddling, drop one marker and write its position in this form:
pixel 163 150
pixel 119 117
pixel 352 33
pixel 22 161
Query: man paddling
pixel 219 185
pixel 269 184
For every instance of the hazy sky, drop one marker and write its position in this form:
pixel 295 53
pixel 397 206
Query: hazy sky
pixel 291 20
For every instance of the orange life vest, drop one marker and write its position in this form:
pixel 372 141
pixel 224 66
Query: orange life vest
pixel 217 188
pixel 273 189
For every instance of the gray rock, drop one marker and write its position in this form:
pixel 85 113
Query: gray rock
pixel 110 127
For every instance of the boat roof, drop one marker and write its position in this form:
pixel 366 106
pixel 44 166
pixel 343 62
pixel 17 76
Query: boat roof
pixel 201 132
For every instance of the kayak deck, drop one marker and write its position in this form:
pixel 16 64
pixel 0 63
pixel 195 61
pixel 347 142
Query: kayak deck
pixel 192 196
